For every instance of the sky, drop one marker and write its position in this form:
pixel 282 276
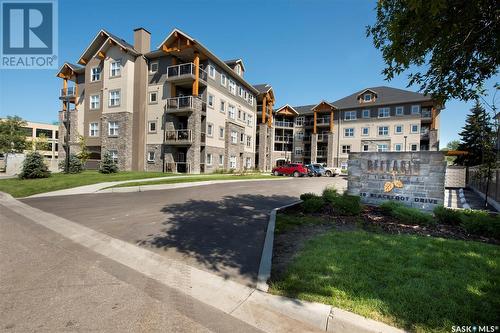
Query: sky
pixel 307 50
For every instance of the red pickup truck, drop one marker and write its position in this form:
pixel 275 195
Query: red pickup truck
pixel 291 169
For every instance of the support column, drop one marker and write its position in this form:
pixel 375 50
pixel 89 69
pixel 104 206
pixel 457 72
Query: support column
pixel 331 121
pixel 314 144
pixel 270 145
pixel 263 166
pixel 330 149
pixel 314 128
pixel 196 73
pixel 194 124
pixel 433 117
pixel 76 92
pixel 65 90
pixel 270 118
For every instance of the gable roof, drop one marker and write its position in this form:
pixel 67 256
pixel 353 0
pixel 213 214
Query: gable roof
pixel 325 102
pixel 233 62
pixel 70 69
pixel 286 106
pixel 385 95
pixel 262 88
pixel 99 40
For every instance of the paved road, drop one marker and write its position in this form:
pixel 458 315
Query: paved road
pixel 219 228
pixel 51 284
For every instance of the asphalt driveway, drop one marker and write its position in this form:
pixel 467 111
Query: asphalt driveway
pixel 219 228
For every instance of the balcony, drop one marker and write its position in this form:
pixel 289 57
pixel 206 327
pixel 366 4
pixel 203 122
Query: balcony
pixel 323 121
pixel 321 153
pixel 426 115
pixel 178 137
pixel 184 104
pixel 68 93
pixel 424 134
pixel 323 137
pixel 283 138
pixel 280 123
pixel 184 74
pixel 178 167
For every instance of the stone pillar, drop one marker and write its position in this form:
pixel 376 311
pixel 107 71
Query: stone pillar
pixel 314 148
pixel 262 149
pixel 194 124
pixel 270 148
pixel 433 140
pixel 74 146
pixel 330 150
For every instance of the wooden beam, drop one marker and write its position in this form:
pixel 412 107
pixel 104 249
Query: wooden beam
pixel 65 89
pixel 331 121
pixel 264 109
pixel 270 119
pixel 83 61
pixel 76 92
pixel 315 118
pixel 101 55
pixel 433 118
pixel 196 82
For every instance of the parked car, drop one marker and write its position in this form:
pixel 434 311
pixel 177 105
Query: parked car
pixel 290 169
pixel 332 171
pixel 316 170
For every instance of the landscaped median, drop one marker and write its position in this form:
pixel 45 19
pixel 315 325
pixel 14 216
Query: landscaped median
pixel 391 264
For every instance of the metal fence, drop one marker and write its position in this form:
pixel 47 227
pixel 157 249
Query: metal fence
pixel 475 181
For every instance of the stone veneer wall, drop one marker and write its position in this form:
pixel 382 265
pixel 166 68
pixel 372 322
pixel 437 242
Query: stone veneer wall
pixel 73 140
pixel 156 165
pixel 215 151
pixel 122 143
pixel 422 176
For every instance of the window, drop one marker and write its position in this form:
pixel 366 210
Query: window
pixel 153 97
pixel 153 67
pixel 211 71
pixel 248 163
pixel 232 87
pixel 366 147
pixel 94 129
pixel 365 131
pixel 151 156
pixel 366 113
pixel 249 141
pixel 348 132
pixel 114 155
pixel 299 121
pixel 209 159
pixel 152 127
pixel 223 80
pixel 115 68
pixel 95 102
pixel 234 137
pixel 221 132
pixel 232 162
pixel 240 91
pixel 113 128
pixel 231 112
pixel 397 147
pixel 222 106
pixel 221 159
pixel 346 149
pixel 350 115
pixel 95 74
pixel 250 99
pixel 210 129
pixel 298 151
pixel 399 110
pixel 414 147
pixel 250 120
pixel 415 109
pixel 414 128
pixel 367 97
pixel 242 137
pixel 383 113
pixel 114 98
pixel 398 129
pixel 300 136
pixel 382 147
pixel 238 69
pixel 383 130
pixel 244 116
pixel 239 114
pixel 211 100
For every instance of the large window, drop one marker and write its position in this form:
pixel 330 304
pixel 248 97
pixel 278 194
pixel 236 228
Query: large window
pixel 232 87
pixel 299 121
pixel 384 113
pixel 232 162
pixel 114 155
pixel 94 129
pixel 350 115
pixel 209 159
pixel 234 137
pixel 114 98
pixel 249 141
pixel 95 102
pixel 382 147
pixel 248 163
pixel 115 68
pixel 232 112
pixel 223 79
pixel 346 149
pixel 113 128
pixel 415 109
pixel 383 130
pixel 249 120
pixel 348 132
pixel 211 71
pixel 366 113
pixel 95 74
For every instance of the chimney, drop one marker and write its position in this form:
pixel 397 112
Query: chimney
pixel 142 40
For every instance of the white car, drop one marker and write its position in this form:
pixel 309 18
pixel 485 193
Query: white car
pixel 331 171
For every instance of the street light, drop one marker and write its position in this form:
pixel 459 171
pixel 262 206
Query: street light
pixel 405 141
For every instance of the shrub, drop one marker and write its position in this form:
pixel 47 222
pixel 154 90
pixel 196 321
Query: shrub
pixel 346 204
pixel 480 222
pixel 75 165
pixel 313 204
pixel 34 167
pixel 108 165
pixel 407 215
pixel 306 196
pixel 329 194
pixel 448 216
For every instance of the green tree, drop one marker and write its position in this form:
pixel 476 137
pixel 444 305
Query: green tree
pixel 450 47
pixel 108 165
pixel 41 143
pixel 84 153
pixel 477 138
pixel 12 135
pixel 34 167
pixel 75 165
pixel 452 145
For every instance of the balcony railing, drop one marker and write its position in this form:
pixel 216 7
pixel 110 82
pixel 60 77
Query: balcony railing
pixel 178 167
pixel 183 103
pixel 178 137
pixel 426 114
pixel 187 69
pixel 68 92
pixel 283 138
pixel 280 123
pixel 323 121
pixel 321 153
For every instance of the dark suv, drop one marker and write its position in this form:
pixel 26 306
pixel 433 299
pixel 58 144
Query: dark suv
pixel 291 169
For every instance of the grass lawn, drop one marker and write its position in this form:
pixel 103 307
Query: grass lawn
pixel 422 284
pixel 58 181
pixel 197 178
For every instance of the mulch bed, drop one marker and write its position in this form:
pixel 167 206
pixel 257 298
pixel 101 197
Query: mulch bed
pixel 289 243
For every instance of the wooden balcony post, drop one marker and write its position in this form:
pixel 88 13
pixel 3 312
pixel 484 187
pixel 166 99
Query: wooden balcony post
pixel 65 91
pixel 264 109
pixel 331 121
pixel 433 118
pixel 76 92
pixel 270 119
pixel 196 73
pixel 314 124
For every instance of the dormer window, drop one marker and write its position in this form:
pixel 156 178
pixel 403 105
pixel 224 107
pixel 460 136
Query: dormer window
pixel 367 97
pixel 238 69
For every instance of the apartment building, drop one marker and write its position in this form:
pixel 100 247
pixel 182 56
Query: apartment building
pixel 176 108
pixel 373 119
